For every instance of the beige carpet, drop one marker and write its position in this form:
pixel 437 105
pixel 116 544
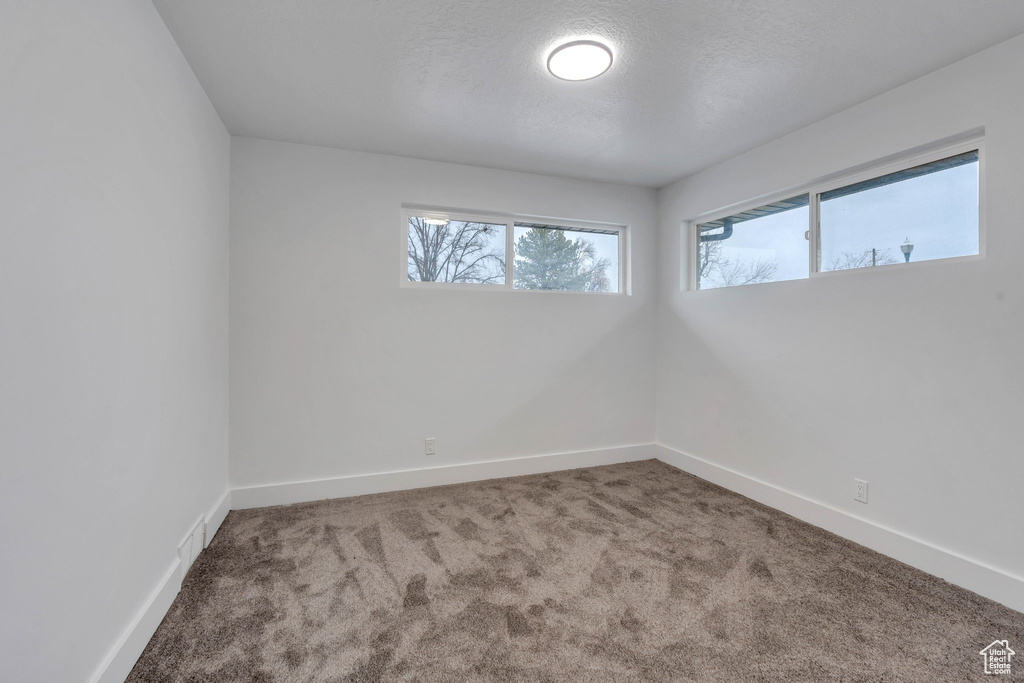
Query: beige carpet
pixel 634 572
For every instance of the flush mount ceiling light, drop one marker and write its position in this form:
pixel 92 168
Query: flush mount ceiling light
pixel 579 60
pixel 436 221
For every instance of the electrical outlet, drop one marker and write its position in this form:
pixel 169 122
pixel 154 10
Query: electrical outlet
pixel 428 447
pixel 860 490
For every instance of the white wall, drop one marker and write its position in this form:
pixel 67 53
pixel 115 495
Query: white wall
pixel 911 379
pixel 114 354
pixel 338 370
pixel 113 331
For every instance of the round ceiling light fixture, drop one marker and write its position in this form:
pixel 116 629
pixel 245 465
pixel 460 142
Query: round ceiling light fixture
pixel 579 60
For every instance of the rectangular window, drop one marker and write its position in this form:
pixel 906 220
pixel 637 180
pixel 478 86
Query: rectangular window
pixel 922 213
pixel 443 250
pixel 764 244
pixel 497 252
pixel 566 259
pixel 925 208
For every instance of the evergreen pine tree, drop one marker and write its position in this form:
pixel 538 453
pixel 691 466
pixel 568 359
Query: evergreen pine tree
pixel 549 259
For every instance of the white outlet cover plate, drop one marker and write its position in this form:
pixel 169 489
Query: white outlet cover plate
pixel 860 490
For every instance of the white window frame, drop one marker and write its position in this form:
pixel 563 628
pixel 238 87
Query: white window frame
pixel 410 211
pixel 814 191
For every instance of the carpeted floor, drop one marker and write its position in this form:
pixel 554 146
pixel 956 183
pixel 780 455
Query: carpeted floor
pixel 633 572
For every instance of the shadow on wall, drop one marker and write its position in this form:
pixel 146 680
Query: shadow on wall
pixel 807 385
pixel 604 390
pixel 348 383
pixel 710 406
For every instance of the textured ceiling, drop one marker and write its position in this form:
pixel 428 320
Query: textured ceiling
pixel 694 82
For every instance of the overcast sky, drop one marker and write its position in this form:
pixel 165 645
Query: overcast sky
pixel 938 212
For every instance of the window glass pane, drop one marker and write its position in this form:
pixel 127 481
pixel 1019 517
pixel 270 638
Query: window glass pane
pixel 918 214
pixel 549 257
pixel 456 251
pixel 766 244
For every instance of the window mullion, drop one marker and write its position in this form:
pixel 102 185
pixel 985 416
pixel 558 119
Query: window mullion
pixel 813 233
pixel 509 253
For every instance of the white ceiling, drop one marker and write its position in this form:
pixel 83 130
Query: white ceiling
pixel 694 82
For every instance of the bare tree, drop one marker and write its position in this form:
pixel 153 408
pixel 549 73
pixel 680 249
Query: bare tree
pixel 748 273
pixel 718 271
pixel 708 257
pixel 457 251
pixel 862 259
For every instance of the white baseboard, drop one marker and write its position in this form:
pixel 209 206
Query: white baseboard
pixel 361 484
pixel 120 659
pixel 216 516
pixel 122 656
pixel 976 576
pixel 983 579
